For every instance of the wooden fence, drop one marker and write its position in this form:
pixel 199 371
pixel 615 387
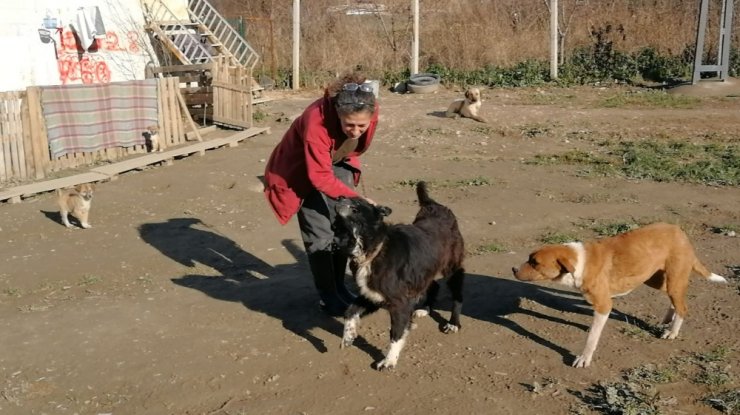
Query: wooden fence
pixel 13 141
pixel 24 146
pixel 232 94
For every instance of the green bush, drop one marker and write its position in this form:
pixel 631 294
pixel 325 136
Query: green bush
pixel 655 67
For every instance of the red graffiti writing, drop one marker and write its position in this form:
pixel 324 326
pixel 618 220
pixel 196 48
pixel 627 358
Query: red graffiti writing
pixel 90 69
pixel 70 42
pixel 133 42
pixel 79 65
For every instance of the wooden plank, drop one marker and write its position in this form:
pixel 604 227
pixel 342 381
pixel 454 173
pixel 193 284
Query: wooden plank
pixel 167 123
pixel 234 139
pixel 17 131
pixel 186 114
pixel 236 95
pixel 196 90
pixel 3 172
pixel 202 131
pixel 154 158
pixel 6 162
pixel 9 133
pixel 163 131
pixel 14 193
pixel 231 87
pixel 166 127
pixel 182 68
pixel 230 121
pixel 198 99
pixel 216 91
pixel 35 158
pixel 28 143
pixel 38 131
pixel 172 105
pixel 73 160
pixel 66 161
pixel 261 100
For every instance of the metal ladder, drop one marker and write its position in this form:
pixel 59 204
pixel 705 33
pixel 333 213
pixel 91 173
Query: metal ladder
pixel 181 38
pixel 221 35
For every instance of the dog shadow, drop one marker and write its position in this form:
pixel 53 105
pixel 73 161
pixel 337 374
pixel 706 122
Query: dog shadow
pixel 55 216
pixel 438 114
pixel 283 292
pixel 494 299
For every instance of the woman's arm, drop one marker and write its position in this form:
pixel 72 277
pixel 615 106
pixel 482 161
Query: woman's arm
pixel 317 149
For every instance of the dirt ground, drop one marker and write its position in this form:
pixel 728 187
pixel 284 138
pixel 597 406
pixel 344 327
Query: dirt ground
pixel 188 297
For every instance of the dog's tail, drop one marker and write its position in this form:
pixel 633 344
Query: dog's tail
pixel 423 194
pixel 700 269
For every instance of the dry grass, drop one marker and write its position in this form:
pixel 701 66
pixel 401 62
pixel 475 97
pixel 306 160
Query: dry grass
pixel 461 35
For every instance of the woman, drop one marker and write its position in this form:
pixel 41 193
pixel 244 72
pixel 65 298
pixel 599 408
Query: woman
pixel 316 162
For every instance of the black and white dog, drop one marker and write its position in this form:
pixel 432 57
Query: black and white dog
pixel 396 265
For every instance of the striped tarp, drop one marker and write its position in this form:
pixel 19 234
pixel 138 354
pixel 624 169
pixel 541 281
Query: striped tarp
pixel 87 118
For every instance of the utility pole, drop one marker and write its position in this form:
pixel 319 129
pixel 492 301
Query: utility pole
pixel 296 43
pixel 415 41
pixel 553 39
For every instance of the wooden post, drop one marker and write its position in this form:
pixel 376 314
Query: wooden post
pixel 16 132
pixel 172 84
pixel 296 43
pixel 37 130
pixel 415 41
pixel 186 115
pixel 160 119
pixel 553 39
pixel 273 51
pixel 5 163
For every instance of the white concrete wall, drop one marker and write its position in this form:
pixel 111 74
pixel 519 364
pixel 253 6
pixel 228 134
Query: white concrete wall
pixel 122 55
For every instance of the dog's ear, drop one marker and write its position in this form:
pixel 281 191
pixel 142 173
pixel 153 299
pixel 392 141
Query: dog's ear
pixel 384 210
pixel 566 265
pixel 467 93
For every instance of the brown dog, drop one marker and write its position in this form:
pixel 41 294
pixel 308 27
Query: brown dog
pixel 467 107
pixel 658 255
pixel 76 201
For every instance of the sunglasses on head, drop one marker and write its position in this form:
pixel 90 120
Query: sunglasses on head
pixel 352 87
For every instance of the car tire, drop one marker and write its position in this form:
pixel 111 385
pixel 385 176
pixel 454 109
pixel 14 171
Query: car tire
pixel 423 83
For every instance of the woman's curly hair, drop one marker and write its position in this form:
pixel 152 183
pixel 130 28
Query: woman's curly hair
pixel 350 102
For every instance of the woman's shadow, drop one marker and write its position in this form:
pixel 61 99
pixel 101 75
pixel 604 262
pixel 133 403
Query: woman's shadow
pixel 283 291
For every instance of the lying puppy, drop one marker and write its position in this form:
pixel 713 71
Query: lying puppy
pixel 396 265
pixel 467 107
pixel 76 201
pixel 658 255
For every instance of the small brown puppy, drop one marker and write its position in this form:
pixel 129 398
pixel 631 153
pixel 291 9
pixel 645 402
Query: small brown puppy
pixel 467 107
pixel 152 134
pixel 658 255
pixel 77 202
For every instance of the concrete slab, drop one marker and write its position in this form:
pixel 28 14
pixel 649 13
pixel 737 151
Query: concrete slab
pixel 709 88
